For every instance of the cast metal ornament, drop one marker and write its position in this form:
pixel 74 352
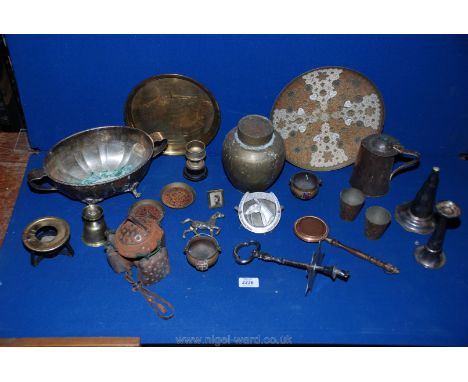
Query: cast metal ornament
pixel 179 107
pixel 323 115
pixel 210 225
pixel 259 212
pixel 47 237
pixel 98 163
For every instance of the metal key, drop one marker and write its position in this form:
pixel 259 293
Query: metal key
pixel 312 268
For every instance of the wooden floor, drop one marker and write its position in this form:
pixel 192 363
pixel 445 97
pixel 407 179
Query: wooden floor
pixel 14 155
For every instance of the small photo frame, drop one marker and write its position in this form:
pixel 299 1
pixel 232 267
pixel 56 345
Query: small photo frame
pixel 216 198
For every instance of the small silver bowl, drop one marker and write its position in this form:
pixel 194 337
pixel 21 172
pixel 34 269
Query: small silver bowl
pixel 304 185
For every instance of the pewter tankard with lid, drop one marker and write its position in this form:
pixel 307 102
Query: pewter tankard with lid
pixel 373 169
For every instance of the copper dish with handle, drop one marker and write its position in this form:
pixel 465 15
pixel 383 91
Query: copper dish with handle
pixel 98 163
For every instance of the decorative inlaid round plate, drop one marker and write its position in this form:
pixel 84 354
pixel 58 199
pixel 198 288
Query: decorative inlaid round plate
pixel 324 114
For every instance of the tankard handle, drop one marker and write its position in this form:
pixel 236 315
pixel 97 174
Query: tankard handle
pixel 401 150
pixel 159 142
pixel 35 176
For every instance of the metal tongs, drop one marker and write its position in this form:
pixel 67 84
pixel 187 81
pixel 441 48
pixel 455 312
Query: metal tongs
pixel 312 268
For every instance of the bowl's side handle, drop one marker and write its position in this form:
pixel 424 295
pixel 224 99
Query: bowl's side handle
pixel 34 178
pixel 159 142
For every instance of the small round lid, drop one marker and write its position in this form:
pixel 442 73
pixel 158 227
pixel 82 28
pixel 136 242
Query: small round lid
pixel 381 144
pixel 255 130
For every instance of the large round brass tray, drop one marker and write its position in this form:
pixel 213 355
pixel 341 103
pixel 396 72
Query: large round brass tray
pixel 179 107
pixel 324 114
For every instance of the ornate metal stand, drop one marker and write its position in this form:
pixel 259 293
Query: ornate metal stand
pixel 431 255
pixel 418 215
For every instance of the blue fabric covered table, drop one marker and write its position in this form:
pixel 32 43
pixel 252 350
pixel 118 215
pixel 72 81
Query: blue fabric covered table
pixel 69 83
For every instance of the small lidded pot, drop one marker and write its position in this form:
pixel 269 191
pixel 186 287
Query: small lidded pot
pixel 304 185
pixel 253 154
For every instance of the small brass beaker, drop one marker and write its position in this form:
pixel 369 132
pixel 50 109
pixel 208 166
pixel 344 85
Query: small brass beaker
pixel 195 167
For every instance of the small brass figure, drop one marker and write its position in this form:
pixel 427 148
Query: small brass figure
pixel 209 225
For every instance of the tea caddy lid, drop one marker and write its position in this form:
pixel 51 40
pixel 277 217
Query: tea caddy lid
pixel 382 145
pixel 255 130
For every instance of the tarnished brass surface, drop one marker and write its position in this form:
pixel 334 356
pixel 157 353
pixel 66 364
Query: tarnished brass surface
pixel 253 154
pixel 202 252
pixel 53 242
pixel 179 107
pixel 47 237
pixel 177 195
pixel 94 226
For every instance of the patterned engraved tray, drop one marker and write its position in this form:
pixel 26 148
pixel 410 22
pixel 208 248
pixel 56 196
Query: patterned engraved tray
pixel 324 114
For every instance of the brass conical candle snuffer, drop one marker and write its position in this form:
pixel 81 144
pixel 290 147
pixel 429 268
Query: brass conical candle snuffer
pixel 431 255
pixel 418 215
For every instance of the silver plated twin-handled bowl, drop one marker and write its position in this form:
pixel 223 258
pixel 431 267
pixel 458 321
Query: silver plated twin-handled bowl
pixel 98 163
